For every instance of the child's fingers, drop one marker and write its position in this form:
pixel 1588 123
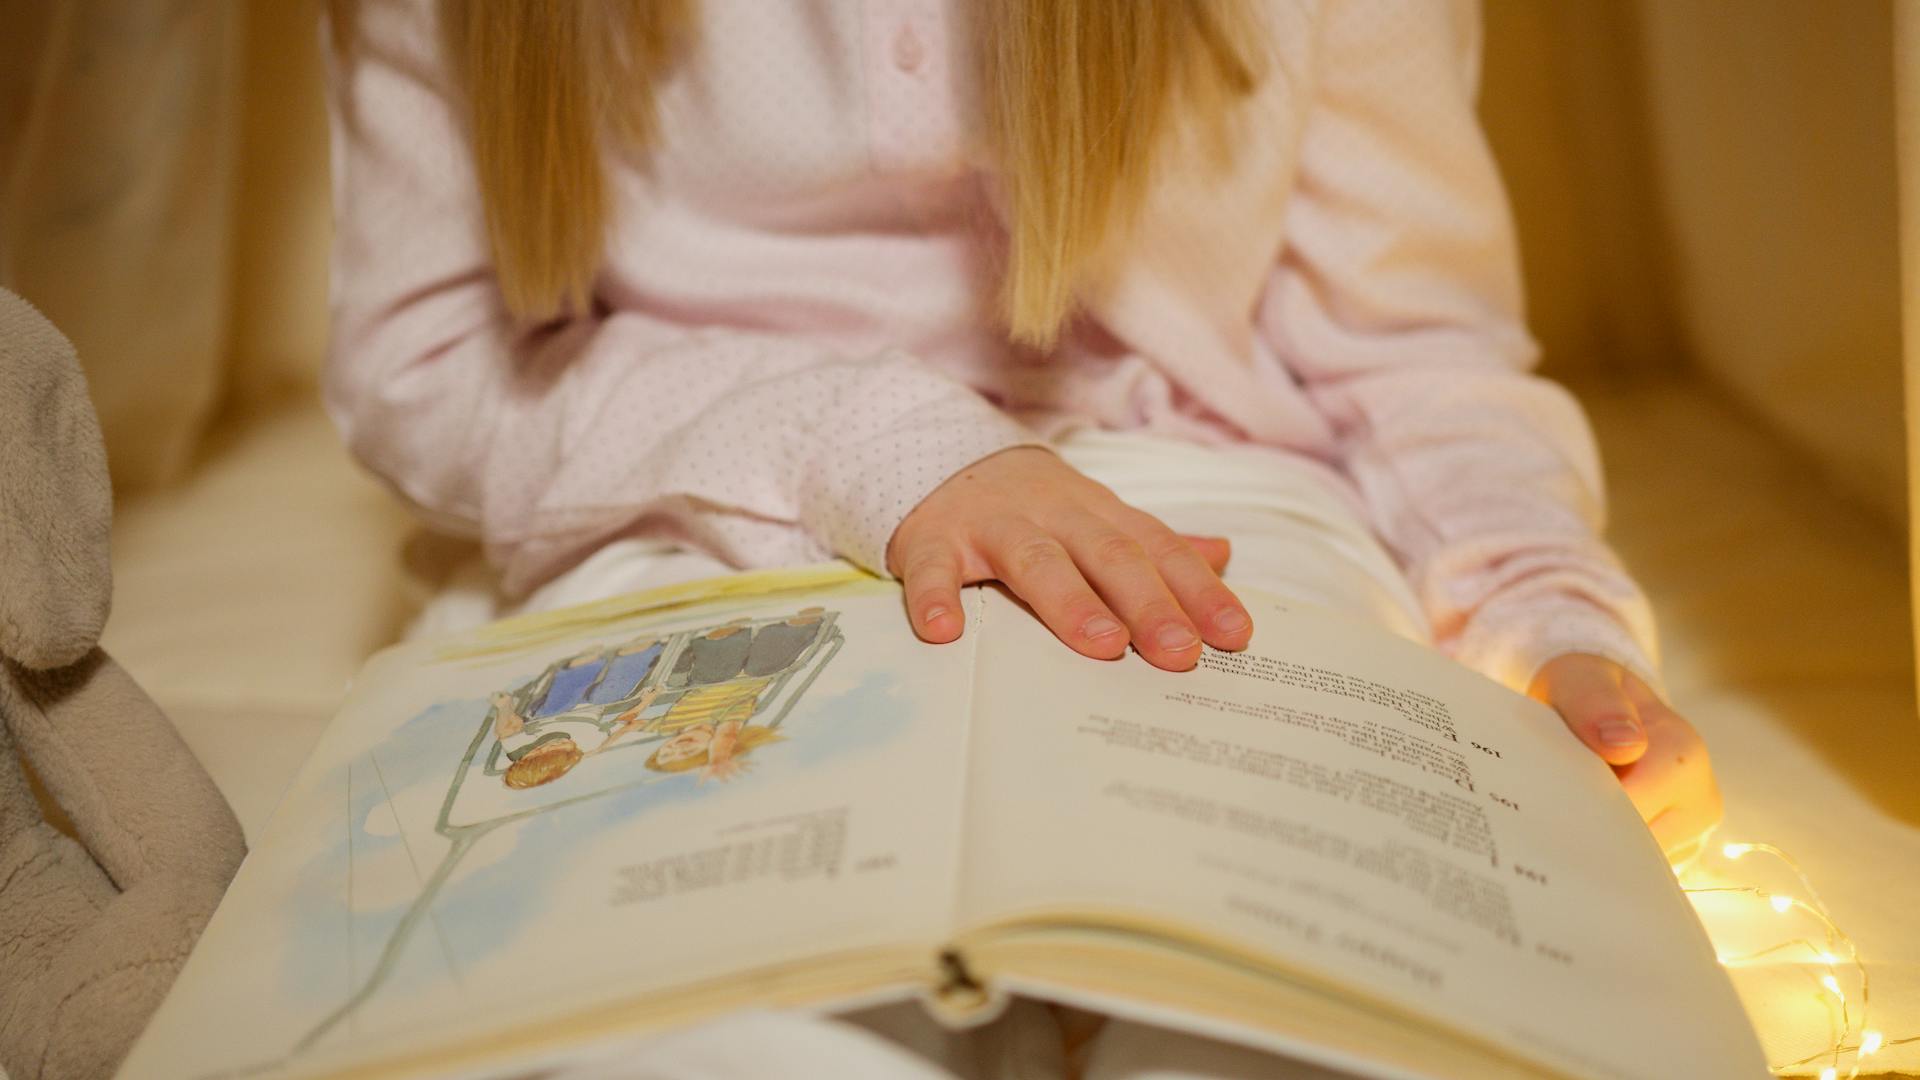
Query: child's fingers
pixel 1590 699
pixel 1195 582
pixel 1119 566
pixel 1660 759
pixel 1676 767
pixel 931 575
pixel 1039 570
pixel 1216 550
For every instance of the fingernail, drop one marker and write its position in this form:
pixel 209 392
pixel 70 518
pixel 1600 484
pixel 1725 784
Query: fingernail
pixel 1230 621
pixel 1619 733
pixel 1176 638
pixel 1100 626
pixel 932 614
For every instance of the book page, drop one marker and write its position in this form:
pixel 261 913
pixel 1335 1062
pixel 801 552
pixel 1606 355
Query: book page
pixel 500 831
pixel 1343 804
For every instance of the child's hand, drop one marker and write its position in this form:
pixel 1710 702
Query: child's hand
pixel 1098 572
pixel 1661 761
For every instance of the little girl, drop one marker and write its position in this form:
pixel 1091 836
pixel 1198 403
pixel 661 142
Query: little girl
pixel 1066 294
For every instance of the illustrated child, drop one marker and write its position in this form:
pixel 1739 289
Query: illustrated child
pixel 507 721
pixel 710 669
pixel 737 699
pixel 539 756
pixel 717 749
pixel 777 645
pixel 629 667
pixel 567 686
pixel 547 759
pixel 713 657
pixel 630 720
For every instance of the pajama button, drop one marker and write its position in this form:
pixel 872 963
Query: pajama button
pixel 908 52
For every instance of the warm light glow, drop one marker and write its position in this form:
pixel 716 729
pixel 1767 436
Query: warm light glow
pixel 1837 949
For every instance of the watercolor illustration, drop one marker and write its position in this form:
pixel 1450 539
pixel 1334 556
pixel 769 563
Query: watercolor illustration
pixel 692 706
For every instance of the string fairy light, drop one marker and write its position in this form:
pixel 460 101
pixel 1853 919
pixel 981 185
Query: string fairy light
pixel 1836 951
pixel 1862 1049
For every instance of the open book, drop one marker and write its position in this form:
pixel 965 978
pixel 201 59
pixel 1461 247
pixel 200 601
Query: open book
pixel 572 827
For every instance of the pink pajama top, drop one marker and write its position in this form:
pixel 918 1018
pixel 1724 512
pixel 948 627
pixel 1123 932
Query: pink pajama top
pixel 794 336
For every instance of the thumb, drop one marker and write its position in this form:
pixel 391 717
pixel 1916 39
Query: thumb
pixel 1215 549
pixel 1588 695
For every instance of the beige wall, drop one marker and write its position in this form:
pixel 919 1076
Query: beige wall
pixel 1559 104
pixel 1773 143
pixel 1907 98
pixel 1710 184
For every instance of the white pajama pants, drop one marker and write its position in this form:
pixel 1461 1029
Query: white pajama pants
pixel 1292 536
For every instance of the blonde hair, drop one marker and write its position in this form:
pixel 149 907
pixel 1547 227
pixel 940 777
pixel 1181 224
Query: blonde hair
pixel 750 738
pixel 1078 97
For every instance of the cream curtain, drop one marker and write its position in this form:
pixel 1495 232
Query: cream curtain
pixel 117 157
pixel 163 199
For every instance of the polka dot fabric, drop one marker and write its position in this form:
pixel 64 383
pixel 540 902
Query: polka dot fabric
pixel 794 335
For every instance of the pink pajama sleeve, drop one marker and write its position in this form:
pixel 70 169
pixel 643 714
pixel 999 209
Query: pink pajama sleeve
pixel 1397 304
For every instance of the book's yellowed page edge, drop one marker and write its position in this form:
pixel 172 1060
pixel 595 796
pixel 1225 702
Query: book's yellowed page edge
pixel 534 628
pixel 1157 973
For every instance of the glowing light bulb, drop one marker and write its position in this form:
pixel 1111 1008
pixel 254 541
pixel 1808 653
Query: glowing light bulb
pixel 1831 984
pixel 1734 851
pixel 1829 1073
pixel 1781 904
pixel 1869 1042
pixel 1828 958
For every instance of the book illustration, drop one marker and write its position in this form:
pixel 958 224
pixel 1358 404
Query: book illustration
pixel 680 708
pixel 694 700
